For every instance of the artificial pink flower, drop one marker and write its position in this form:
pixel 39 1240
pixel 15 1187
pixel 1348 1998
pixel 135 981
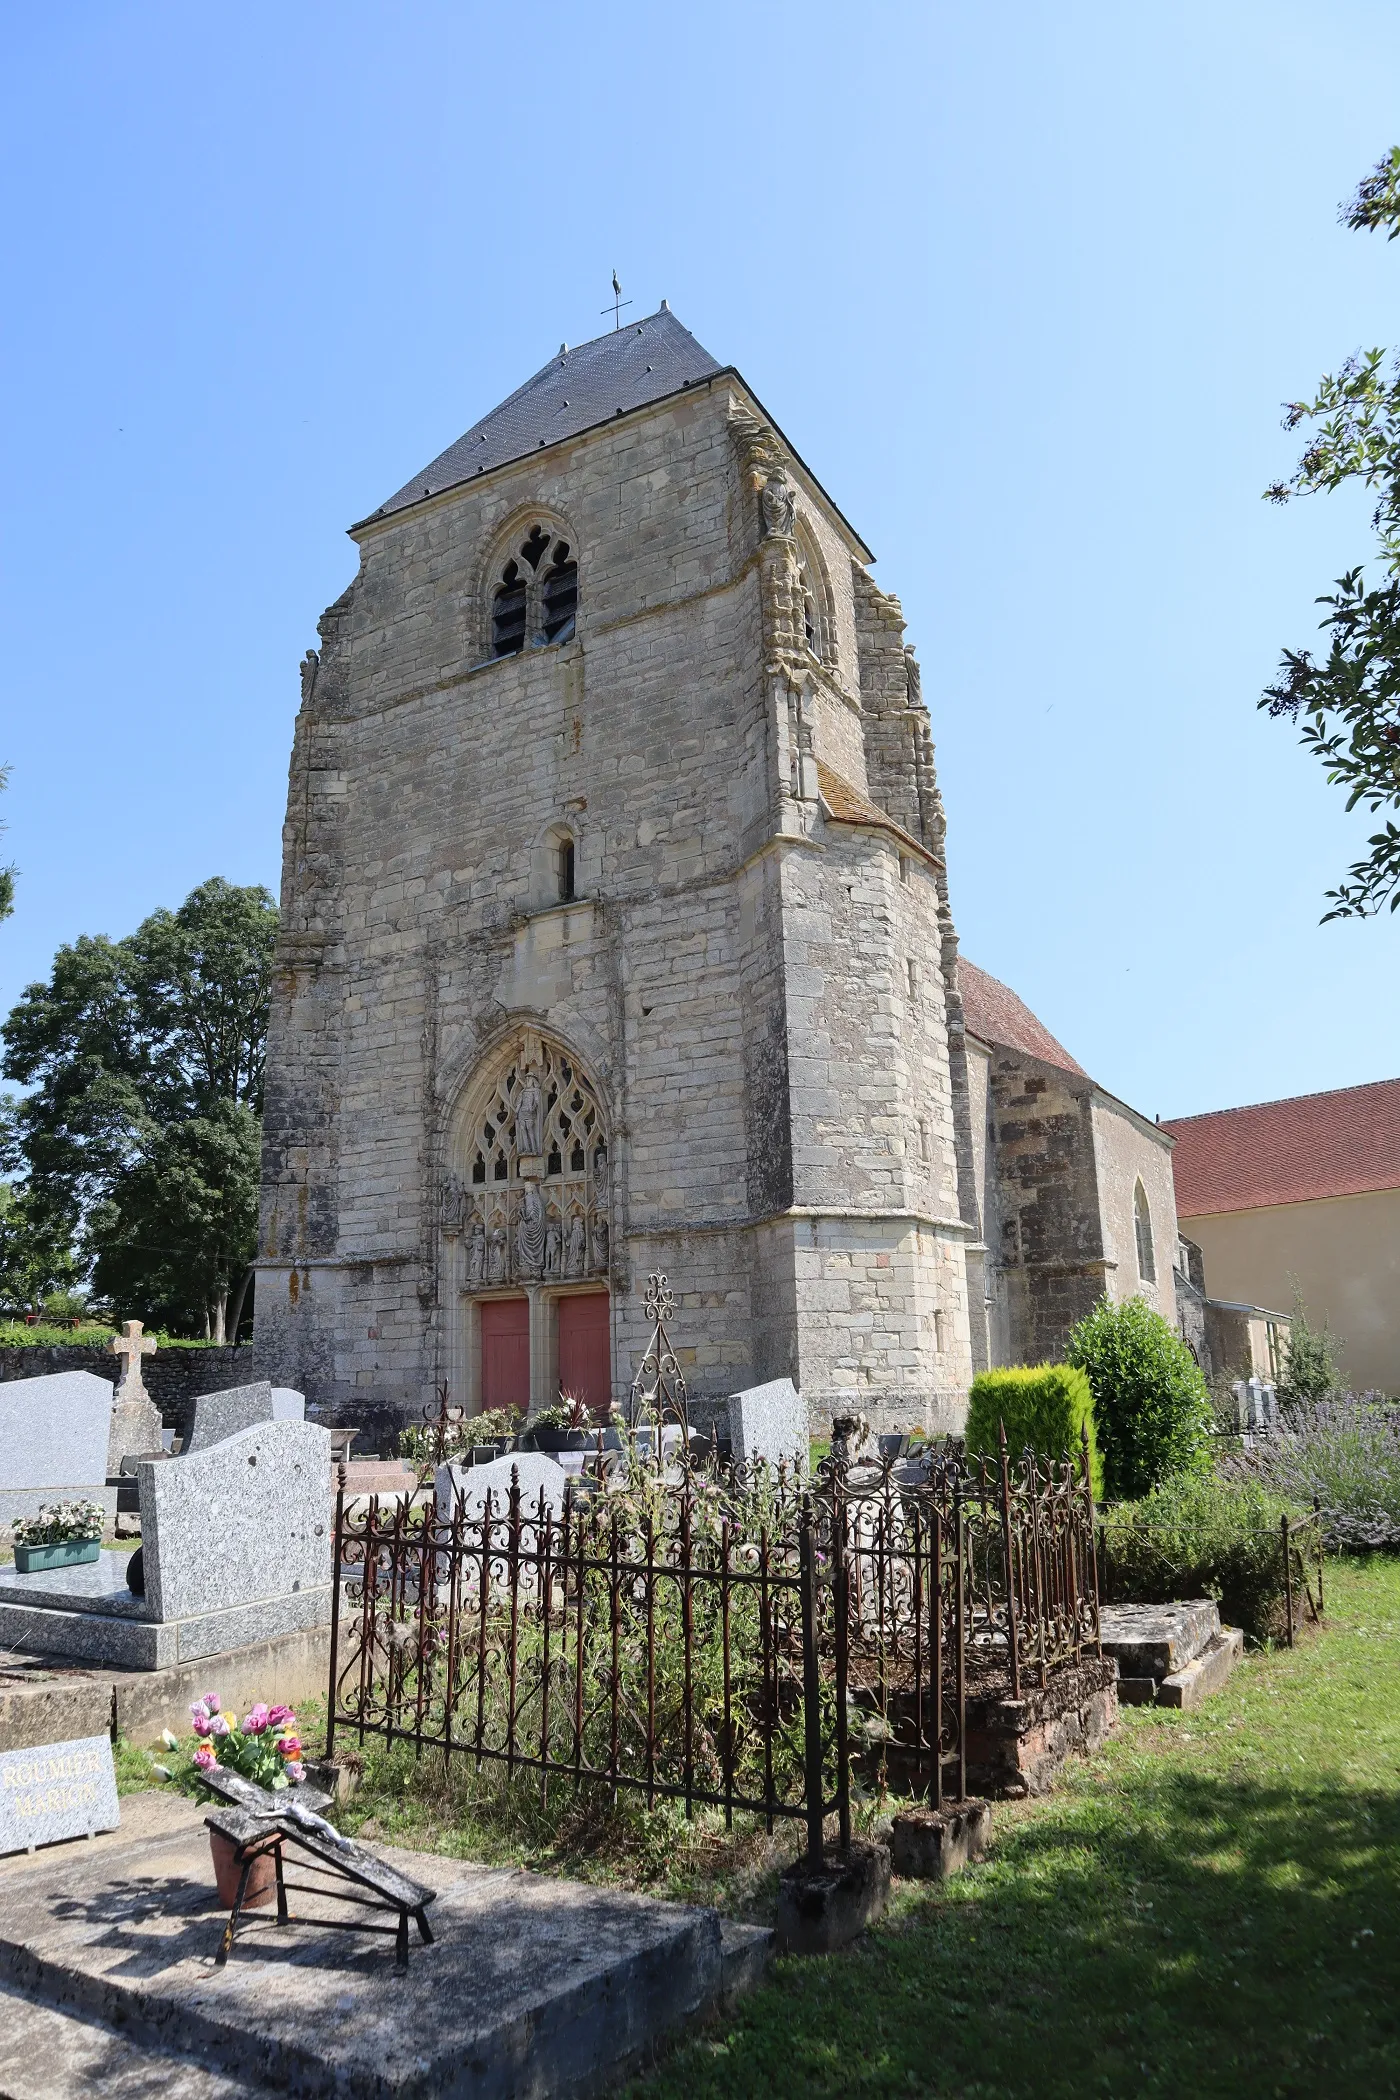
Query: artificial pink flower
pixel 279 1716
pixel 201 1722
pixel 205 1759
pixel 296 1771
pixel 219 1725
pixel 289 1746
pixel 256 1719
pixel 212 1702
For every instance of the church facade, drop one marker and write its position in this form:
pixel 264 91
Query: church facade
pixel 616 935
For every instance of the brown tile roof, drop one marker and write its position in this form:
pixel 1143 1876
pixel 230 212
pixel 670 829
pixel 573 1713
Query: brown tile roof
pixel 1296 1151
pixel 847 805
pixel 993 1012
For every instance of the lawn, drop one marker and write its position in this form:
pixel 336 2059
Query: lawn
pixel 1210 1905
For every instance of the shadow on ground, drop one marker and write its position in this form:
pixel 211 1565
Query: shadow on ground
pixel 1206 1935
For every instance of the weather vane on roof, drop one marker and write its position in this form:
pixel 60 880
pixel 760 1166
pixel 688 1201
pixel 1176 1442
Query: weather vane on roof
pixel 618 303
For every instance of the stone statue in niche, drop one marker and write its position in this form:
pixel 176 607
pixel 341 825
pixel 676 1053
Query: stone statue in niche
pixel 916 684
pixel 455 1207
pixel 310 665
pixel 600 1242
pixel 529 1133
pixel 575 1253
pixel 529 1233
pixel 554 1249
pixel 496 1255
pixel 779 507
pixel 600 1175
pixel 476 1254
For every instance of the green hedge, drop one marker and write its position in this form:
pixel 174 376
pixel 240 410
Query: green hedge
pixel 1047 1406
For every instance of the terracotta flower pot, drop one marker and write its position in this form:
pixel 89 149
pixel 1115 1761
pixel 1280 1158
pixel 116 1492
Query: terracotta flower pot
pixel 262 1882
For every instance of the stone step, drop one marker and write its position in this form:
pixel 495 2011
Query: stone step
pixel 1205 1674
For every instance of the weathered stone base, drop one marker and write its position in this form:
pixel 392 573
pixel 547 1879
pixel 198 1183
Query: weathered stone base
pixel 49 1614
pixel 1017 1746
pixel 40 1696
pixel 822 1908
pixel 1170 1654
pixel 532 1988
pixel 929 1844
pixel 1205 1673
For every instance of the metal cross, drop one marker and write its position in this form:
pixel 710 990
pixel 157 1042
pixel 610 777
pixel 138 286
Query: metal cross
pixel 617 305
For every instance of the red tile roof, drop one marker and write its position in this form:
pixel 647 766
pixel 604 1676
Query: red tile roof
pixel 1297 1151
pixel 847 805
pixel 993 1012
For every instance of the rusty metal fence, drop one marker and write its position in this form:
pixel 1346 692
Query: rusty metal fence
pixel 717 1638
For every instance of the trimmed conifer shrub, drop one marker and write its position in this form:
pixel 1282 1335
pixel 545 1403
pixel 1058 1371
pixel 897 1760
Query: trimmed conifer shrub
pixel 1045 1406
pixel 1151 1407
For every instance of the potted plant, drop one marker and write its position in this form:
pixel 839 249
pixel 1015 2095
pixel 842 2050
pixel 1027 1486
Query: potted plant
pixel 63 1535
pixel 567 1426
pixel 264 1748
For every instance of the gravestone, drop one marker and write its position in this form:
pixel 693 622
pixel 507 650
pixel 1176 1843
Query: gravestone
pixel 770 1422
pixel 61 1790
pixel 53 1442
pixel 220 1415
pixel 288 1405
pixel 537 1472
pixel 236 1545
pixel 136 1424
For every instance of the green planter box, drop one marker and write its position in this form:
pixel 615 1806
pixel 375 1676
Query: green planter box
pixel 32 1560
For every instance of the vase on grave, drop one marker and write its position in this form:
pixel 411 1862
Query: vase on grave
pixel 262 1878
pixel 69 1553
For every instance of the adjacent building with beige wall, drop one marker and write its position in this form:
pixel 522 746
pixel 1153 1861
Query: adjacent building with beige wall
pixel 1303 1195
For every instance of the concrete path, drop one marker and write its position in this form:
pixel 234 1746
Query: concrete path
pixel 533 1986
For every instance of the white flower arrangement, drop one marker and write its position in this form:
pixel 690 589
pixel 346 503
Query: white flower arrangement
pixel 61 1524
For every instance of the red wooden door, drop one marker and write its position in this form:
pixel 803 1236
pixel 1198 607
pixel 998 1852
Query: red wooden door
pixel 505 1352
pixel 585 1350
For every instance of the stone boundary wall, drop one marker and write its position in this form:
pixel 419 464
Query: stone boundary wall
pixel 173 1376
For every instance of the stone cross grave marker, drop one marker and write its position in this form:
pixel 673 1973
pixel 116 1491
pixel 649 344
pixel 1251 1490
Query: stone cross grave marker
pixel 58 1790
pixel 136 1423
pixel 53 1441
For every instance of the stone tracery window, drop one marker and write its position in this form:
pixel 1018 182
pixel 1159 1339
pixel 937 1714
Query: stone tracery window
pixel 534 599
pixel 530 1199
pixel 1142 1231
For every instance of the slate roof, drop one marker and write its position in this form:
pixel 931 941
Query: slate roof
pixel 575 391
pixel 1345 1143
pixel 992 1011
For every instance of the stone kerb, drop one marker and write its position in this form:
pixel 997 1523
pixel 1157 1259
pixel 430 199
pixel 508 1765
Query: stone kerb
pixel 53 1441
pixel 220 1415
pixel 246 1521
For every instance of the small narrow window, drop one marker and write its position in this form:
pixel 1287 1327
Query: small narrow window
pixel 1142 1228
pixel 904 867
pixel 560 596
pixel 508 614
pixel 566 872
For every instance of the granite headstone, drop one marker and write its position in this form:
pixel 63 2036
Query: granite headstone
pixel 770 1422
pixel 220 1415
pixel 538 1474
pixel 288 1405
pixel 247 1519
pixel 61 1790
pixel 53 1441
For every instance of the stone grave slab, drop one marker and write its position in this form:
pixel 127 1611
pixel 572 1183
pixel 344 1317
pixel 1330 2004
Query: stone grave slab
pixel 770 1422
pixel 1169 1654
pixel 220 1415
pixel 236 1545
pixel 56 1791
pixel 533 1986
pixel 53 1442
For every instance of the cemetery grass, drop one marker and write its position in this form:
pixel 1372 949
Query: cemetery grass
pixel 1209 1905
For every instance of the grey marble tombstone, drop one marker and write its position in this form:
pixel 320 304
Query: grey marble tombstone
pixel 220 1415
pixel 53 1441
pixel 58 1790
pixel 246 1520
pixel 770 1422
pixel 538 1473
pixel 288 1405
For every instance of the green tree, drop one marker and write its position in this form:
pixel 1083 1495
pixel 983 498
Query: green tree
pixel 1152 1411
pixel 1348 701
pixel 139 1137
pixel 1310 1364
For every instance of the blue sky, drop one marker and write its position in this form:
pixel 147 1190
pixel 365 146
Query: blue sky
pixel 1025 285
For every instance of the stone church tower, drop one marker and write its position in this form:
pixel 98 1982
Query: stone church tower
pixel 616 932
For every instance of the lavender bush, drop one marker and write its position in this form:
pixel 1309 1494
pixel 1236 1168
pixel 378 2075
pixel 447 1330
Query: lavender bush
pixel 1345 1451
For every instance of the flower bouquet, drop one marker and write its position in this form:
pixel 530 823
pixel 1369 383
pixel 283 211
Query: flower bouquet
pixel 61 1536
pixel 264 1748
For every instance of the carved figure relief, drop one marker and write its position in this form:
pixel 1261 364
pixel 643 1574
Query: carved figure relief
pixel 530 1196
pixel 779 506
